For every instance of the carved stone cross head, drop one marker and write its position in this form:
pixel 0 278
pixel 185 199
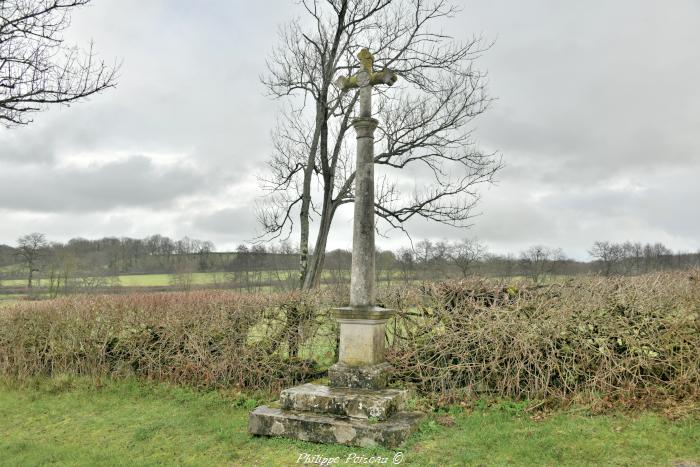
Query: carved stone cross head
pixel 366 76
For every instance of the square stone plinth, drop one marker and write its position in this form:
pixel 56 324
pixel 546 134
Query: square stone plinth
pixel 320 428
pixel 342 375
pixel 355 403
pixel 362 341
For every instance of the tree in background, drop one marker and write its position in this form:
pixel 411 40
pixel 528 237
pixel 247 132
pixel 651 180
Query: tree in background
pixel 62 264
pixel 425 120
pixel 386 264
pixel 406 262
pixel 37 68
pixel 31 249
pixel 539 261
pixel 634 258
pixel 465 253
pixel 609 254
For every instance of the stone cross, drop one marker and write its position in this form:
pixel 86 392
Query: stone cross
pixel 362 275
pixel 362 325
pixel 356 408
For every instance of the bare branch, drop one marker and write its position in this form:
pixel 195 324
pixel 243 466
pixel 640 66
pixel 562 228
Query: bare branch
pixel 425 119
pixel 36 68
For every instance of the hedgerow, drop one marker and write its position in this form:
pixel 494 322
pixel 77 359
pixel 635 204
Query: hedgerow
pixel 628 339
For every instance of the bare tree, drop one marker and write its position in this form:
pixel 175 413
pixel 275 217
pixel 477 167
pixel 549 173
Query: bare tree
pixel 465 253
pixel 657 256
pixel 31 248
pixel 386 263
pixel 609 254
pixel 406 262
pixel 62 265
pixel 539 261
pixel 424 119
pixel 183 276
pixel 37 68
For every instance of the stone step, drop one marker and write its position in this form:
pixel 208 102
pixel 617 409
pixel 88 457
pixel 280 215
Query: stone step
pixel 320 428
pixel 355 403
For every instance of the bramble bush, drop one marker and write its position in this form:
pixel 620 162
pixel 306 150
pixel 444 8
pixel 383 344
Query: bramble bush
pixel 630 339
pixel 202 338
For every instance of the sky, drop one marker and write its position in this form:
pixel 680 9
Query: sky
pixel 596 116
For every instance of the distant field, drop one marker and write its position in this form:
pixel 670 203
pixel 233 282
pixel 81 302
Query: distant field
pixel 15 282
pixel 148 280
pixel 196 278
pixel 259 280
pixel 156 280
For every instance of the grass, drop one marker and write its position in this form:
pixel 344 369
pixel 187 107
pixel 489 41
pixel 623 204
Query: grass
pixel 66 421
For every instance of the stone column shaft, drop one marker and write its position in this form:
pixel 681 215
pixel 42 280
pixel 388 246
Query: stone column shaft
pixel 362 274
pixel 366 102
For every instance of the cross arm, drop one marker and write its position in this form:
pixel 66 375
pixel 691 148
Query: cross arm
pixel 385 76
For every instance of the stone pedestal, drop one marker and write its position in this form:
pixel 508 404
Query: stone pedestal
pixel 357 409
pixel 322 414
pixel 361 359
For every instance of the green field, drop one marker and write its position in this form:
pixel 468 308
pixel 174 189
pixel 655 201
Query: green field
pixel 65 421
pixel 140 280
pixel 164 280
pixel 156 280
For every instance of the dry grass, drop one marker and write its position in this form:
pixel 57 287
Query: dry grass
pixel 623 340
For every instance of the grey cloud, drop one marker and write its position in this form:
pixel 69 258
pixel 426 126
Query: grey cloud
pixel 588 93
pixel 132 182
pixel 233 222
pixel 593 88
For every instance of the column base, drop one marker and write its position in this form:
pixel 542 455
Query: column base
pixel 376 376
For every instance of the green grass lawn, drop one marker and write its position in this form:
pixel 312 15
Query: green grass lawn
pixel 78 422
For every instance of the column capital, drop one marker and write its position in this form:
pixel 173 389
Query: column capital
pixel 365 126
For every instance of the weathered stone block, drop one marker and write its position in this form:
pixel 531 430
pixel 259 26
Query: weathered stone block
pixel 355 403
pixel 318 428
pixel 362 334
pixel 342 375
pixel 361 341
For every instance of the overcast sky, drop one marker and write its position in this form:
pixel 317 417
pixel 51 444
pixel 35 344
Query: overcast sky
pixel 597 118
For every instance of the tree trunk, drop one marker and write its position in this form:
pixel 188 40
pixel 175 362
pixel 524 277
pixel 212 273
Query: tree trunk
pixel 306 201
pixel 313 271
pixel 313 277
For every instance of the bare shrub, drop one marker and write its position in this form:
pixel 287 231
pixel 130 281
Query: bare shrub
pixel 200 338
pixel 627 339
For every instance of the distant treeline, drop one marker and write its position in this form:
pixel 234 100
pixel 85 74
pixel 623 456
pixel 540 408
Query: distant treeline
pixel 155 254
pixel 86 263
